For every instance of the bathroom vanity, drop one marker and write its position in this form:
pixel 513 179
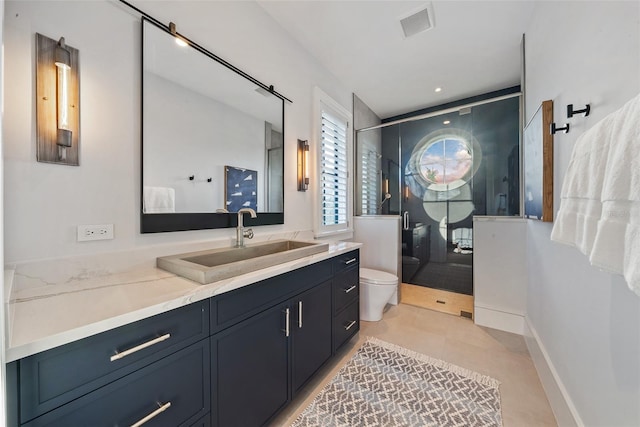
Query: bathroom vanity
pixel 235 352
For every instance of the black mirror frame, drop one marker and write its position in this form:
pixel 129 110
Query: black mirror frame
pixel 166 222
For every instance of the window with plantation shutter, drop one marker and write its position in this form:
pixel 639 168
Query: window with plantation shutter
pixel 334 175
pixel 334 165
pixel 369 179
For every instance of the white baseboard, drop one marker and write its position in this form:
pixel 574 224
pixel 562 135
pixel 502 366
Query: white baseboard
pixel 559 399
pixel 501 320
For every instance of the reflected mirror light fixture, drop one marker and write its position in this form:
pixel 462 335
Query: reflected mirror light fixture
pixel 57 102
pixel 303 165
pixel 179 40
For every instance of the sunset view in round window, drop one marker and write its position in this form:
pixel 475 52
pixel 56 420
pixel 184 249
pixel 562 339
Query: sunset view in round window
pixel 447 160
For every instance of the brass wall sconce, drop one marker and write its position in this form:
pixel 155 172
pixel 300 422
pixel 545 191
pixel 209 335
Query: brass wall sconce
pixel 303 165
pixel 57 102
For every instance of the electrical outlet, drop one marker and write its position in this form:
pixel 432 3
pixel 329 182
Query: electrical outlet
pixel 95 232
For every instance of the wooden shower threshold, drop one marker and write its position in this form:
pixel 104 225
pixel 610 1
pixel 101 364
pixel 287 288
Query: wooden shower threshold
pixel 436 299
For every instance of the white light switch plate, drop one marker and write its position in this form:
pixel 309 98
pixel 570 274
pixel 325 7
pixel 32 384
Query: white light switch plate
pixel 95 232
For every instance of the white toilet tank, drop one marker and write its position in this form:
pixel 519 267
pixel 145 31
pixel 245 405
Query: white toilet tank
pixel 376 289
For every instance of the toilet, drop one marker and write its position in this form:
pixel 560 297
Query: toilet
pixel 376 290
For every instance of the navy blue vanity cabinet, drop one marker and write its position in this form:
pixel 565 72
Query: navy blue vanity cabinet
pixel 254 360
pixel 173 391
pixel 273 337
pixel 51 379
pixel 250 370
pixel 232 307
pixel 287 339
pixel 236 359
pixel 310 330
pixel 203 422
pixel 346 301
pixel 346 288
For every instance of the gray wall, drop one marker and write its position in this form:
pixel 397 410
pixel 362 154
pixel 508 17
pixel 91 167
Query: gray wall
pixel 586 321
pixel 364 117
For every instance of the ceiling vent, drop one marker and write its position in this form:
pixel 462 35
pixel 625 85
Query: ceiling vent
pixel 416 23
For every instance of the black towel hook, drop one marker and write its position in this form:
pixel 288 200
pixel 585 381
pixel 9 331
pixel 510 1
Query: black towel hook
pixel 192 177
pixel 555 129
pixel 571 112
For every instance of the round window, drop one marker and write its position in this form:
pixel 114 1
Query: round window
pixel 443 161
pixel 446 160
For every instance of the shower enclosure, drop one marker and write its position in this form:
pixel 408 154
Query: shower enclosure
pixel 438 170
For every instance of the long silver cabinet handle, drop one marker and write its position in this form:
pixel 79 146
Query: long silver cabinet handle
pixel 132 350
pixel 350 261
pixel 287 314
pixel 346 291
pixel 152 415
pixel 350 325
pixel 299 314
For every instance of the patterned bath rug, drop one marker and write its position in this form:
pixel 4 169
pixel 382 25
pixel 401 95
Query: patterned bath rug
pixel 387 385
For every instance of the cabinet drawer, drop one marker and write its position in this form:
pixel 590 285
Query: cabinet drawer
pixel 179 384
pixel 235 306
pixel 55 377
pixel 346 324
pixel 344 261
pixel 203 422
pixel 346 288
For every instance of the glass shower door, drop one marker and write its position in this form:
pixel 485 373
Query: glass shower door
pixel 440 171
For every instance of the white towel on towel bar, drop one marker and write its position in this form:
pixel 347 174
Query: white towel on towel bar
pixel 613 247
pixel 159 200
pixel 580 206
pixel 600 201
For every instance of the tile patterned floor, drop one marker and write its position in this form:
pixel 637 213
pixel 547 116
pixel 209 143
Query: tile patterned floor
pixel 501 355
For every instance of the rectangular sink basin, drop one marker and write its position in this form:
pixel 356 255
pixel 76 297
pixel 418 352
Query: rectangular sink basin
pixel 217 264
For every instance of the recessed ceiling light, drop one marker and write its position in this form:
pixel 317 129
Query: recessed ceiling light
pixel 438 89
pixel 446 122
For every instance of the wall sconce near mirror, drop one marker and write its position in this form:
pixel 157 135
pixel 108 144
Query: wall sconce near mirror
pixel 303 165
pixel 57 102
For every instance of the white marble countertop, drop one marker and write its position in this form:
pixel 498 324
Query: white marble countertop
pixel 59 301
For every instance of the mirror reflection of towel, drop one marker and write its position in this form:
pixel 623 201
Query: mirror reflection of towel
pixel 462 237
pixel 159 200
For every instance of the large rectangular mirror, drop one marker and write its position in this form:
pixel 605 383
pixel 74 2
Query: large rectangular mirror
pixel 212 140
